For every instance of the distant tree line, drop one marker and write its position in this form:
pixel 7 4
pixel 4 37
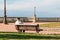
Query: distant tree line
pixel 26 19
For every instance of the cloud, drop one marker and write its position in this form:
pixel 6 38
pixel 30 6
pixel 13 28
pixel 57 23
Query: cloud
pixel 43 6
pixel 1 6
pixel 48 5
pixel 26 4
pixel 18 6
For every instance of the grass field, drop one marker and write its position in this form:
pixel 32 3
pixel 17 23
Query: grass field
pixel 51 24
pixel 28 36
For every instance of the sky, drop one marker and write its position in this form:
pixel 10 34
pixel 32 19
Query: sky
pixel 25 8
